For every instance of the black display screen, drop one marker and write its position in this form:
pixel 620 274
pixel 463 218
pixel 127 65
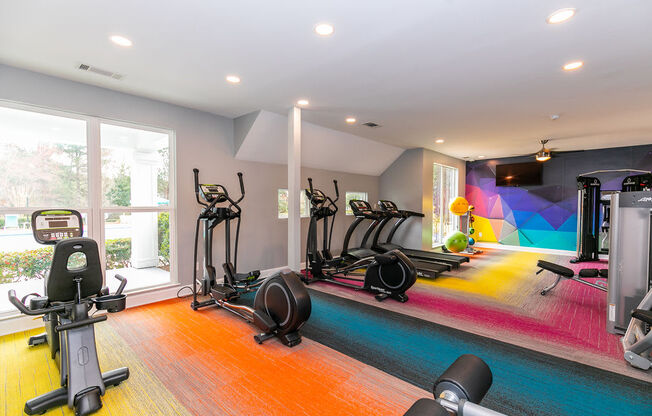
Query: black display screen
pixel 519 174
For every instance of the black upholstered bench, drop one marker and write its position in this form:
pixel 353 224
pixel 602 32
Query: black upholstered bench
pixel 563 272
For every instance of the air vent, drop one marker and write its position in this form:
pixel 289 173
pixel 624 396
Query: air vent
pixel 371 124
pixel 100 71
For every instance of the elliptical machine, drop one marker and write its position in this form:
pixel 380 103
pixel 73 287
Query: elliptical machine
pixel 388 275
pixel 72 287
pixel 281 305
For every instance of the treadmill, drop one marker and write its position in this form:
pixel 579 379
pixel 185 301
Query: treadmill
pixel 362 210
pixel 392 211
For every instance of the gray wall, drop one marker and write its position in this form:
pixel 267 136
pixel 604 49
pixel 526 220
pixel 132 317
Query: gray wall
pixel 408 182
pixel 402 182
pixel 204 141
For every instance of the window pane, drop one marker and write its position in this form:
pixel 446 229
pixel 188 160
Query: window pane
pixel 137 245
pixel 283 204
pixel 354 195
pixel 43 160
pixel 135 167
pixel 24 263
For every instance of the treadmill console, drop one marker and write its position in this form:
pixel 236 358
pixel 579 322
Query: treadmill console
pixel 361 208
pixel 388 206
pixel 317 197
pixel 211 192
pixel 52 226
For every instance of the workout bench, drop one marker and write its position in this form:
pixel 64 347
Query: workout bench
pixel 566 273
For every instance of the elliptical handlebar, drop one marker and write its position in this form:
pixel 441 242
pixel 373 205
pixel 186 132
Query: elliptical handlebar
pixel 195 172
pixel 337 191
pixel 312 191
pixel 242 190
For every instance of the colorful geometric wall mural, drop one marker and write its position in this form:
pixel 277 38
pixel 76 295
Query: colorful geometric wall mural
pixel 543 216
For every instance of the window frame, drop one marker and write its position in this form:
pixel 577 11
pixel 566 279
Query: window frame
pixel 303 197
pixel 94 208
pixel 347 207
pixel 441 202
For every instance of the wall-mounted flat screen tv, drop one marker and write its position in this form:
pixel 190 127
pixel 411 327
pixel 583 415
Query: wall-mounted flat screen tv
pixel 519 174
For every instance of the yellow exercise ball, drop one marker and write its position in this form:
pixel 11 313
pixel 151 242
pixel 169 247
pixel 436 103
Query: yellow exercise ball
pixel 459 206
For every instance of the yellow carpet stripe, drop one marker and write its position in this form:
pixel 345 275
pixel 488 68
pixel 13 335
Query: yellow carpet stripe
pixel 27 372
pixel 497 281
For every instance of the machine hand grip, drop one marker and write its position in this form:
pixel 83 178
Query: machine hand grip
pixel 195 172
pixel 242 191
pixel 24 309
pixel 79 324
pixel 123 283
pixel 337 191
pixel 310 183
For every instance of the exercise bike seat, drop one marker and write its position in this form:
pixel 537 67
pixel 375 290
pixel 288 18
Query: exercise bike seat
pixel 643 315
pixel 556 268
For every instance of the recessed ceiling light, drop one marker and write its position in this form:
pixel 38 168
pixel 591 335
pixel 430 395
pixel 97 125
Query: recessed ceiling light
pixel 233 79
pixel 480 157
pixel 324 29
pixel 121 40
pixel 571 66
pixel 560 16
pixel 351 120
pixel 303 102
pixel 439 141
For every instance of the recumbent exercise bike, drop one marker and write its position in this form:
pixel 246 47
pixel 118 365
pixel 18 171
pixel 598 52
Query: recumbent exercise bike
pixel 72 287
pixel 281 304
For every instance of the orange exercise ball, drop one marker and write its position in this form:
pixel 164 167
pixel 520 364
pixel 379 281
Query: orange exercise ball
pixel 459 206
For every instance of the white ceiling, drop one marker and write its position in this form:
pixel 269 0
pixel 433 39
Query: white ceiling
pixel 321 148
pixel 485 75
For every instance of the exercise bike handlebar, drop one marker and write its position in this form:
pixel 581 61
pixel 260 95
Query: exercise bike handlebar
pixel 27 311
pixel 123 283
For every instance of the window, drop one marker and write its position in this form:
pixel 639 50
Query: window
pixel 118 177
pixel 444 190
pixel 354 195
pixel 283 204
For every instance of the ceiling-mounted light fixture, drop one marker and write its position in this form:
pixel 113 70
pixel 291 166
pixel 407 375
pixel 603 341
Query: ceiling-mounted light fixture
pixel 543 155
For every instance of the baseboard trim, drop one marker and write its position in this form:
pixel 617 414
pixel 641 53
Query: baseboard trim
pixel 525 249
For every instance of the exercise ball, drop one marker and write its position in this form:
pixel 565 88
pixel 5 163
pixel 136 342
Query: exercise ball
pixel 471 241
pixel 471 230
pixel 459 206
pixel 456 241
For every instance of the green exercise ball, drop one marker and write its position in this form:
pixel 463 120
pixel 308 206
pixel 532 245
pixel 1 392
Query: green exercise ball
pixel 456 242
pixel 471 230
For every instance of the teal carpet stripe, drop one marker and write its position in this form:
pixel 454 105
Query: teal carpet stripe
pixel 525 382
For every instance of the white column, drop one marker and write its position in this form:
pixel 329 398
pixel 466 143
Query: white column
pixel 294 188
pixel 144 225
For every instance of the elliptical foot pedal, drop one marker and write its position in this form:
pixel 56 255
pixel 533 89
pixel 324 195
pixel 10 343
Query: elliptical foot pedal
pixel 223 293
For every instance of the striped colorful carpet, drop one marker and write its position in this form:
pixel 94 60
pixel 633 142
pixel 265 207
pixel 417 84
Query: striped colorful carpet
pixel 184 362
pixel 525 382
pixel 497 295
